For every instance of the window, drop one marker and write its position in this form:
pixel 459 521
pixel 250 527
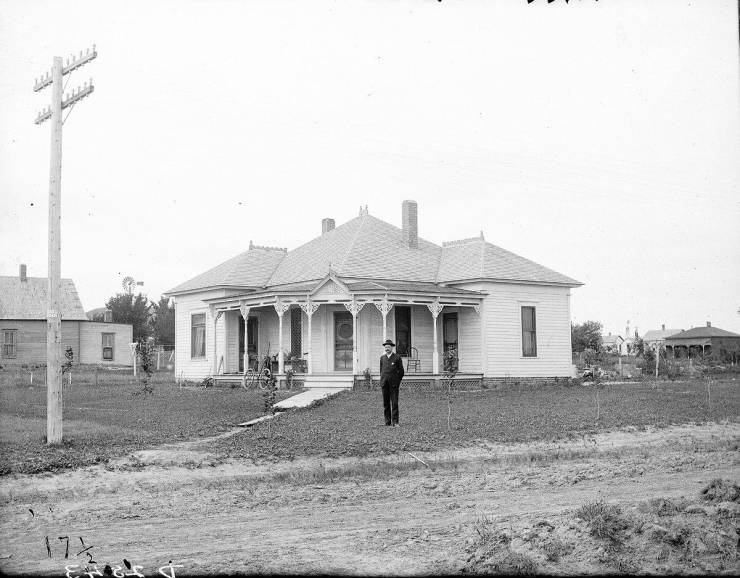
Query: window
pixel 198 335
pixel 108 341
pixel 403 330
pixel 529 332
pixel 295 332
pixel 10 341
pixel 449 331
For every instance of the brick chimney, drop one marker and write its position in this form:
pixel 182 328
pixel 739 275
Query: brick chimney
pixel 409 220
pixel 22 273
pixel 326 225
pixel 108 316
pixel 709 323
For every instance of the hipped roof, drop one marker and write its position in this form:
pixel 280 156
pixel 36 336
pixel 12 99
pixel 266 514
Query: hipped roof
pixel 703 333
pixel 368 248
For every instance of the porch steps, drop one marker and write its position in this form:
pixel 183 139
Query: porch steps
pixel 326 381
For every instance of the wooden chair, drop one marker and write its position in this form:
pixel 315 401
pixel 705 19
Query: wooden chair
pixel 413 360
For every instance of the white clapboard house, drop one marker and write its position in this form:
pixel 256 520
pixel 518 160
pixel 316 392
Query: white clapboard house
pixel 329 304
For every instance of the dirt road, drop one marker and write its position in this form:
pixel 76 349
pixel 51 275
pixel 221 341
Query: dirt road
pixel 366 516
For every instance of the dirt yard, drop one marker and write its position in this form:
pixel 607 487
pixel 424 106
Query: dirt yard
pixel 513 507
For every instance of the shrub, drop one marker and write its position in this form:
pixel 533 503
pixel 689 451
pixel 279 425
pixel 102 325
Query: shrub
pixel 719 490
pixel 492 553
pixel 604 520
pixel 591 357
pixel 555 549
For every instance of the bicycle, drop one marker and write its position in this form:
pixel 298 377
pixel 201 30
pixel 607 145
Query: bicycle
pixel 259 377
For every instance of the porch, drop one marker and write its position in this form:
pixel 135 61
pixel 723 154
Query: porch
pixel 414 380
pixel 332 334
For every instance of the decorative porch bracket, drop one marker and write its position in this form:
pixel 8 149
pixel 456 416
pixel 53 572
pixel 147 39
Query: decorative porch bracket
pixel 216 314
pixel 309 308
pixel 384 307
pixel 244 310
pixel 435 309
pixel 354 307
pixel 280 309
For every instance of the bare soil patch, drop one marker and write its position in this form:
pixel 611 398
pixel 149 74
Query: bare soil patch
pixel 391 514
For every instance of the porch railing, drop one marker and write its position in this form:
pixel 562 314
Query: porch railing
pixel 461 383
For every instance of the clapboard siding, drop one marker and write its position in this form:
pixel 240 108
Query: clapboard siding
pixel 501 317
pixel 31 341
pixel 422 327
pixel 91 343
pixel 370 338
pixel 185 306
pixel 469 339
pixel 231 329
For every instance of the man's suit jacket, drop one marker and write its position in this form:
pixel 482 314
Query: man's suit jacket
pixel 391 369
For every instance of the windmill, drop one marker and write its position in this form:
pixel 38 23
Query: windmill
pixel 129 284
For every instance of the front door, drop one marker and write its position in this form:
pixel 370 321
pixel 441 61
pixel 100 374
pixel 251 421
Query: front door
pixel 343 341
pixel 251 341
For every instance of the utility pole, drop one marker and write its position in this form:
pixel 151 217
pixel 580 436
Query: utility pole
pixel 54 313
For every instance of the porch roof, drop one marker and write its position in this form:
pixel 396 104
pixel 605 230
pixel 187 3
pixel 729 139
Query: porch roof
pixel 364 290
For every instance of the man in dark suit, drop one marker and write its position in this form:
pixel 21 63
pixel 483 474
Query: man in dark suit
pixel 391 373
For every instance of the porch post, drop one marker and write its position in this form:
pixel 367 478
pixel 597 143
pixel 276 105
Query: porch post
pixel 216 315
pixel 309 309
pixel 435 309
pixel 354 308
pixel 280 308
pixel 244 309
pixel 384 307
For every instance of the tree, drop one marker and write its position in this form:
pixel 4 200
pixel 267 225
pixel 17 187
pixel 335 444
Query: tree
pixel 587 335
pixel 162 322
pixel 638 346
pixel 133 309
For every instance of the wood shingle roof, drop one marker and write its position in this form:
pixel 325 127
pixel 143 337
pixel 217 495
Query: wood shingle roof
pixel 27 300
pixel 369 248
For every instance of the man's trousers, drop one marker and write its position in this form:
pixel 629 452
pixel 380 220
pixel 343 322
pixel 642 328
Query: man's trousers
pixel 390 403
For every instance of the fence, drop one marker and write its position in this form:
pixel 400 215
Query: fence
pixel 165 355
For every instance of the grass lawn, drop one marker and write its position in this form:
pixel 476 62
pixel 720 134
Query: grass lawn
pixel 352 423
pixel 112 418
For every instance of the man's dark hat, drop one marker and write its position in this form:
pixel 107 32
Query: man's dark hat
pixel 389 342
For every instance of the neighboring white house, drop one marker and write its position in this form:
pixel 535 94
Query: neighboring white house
pixel 332 301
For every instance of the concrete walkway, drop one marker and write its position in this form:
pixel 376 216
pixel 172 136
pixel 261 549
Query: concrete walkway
pixel 300 400
pixel 307 397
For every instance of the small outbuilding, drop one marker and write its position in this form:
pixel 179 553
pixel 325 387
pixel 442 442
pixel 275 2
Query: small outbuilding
pixel 23 306
pixel 705 341
pixel 614 344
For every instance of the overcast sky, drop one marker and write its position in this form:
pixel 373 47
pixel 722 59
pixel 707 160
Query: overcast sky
pixel 600 139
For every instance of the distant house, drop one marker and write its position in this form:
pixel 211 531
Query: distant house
pixel 100 314
pixel 332 301
pixel 613 344
pixel 656 337
pixel 23 306
pixel 705 341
